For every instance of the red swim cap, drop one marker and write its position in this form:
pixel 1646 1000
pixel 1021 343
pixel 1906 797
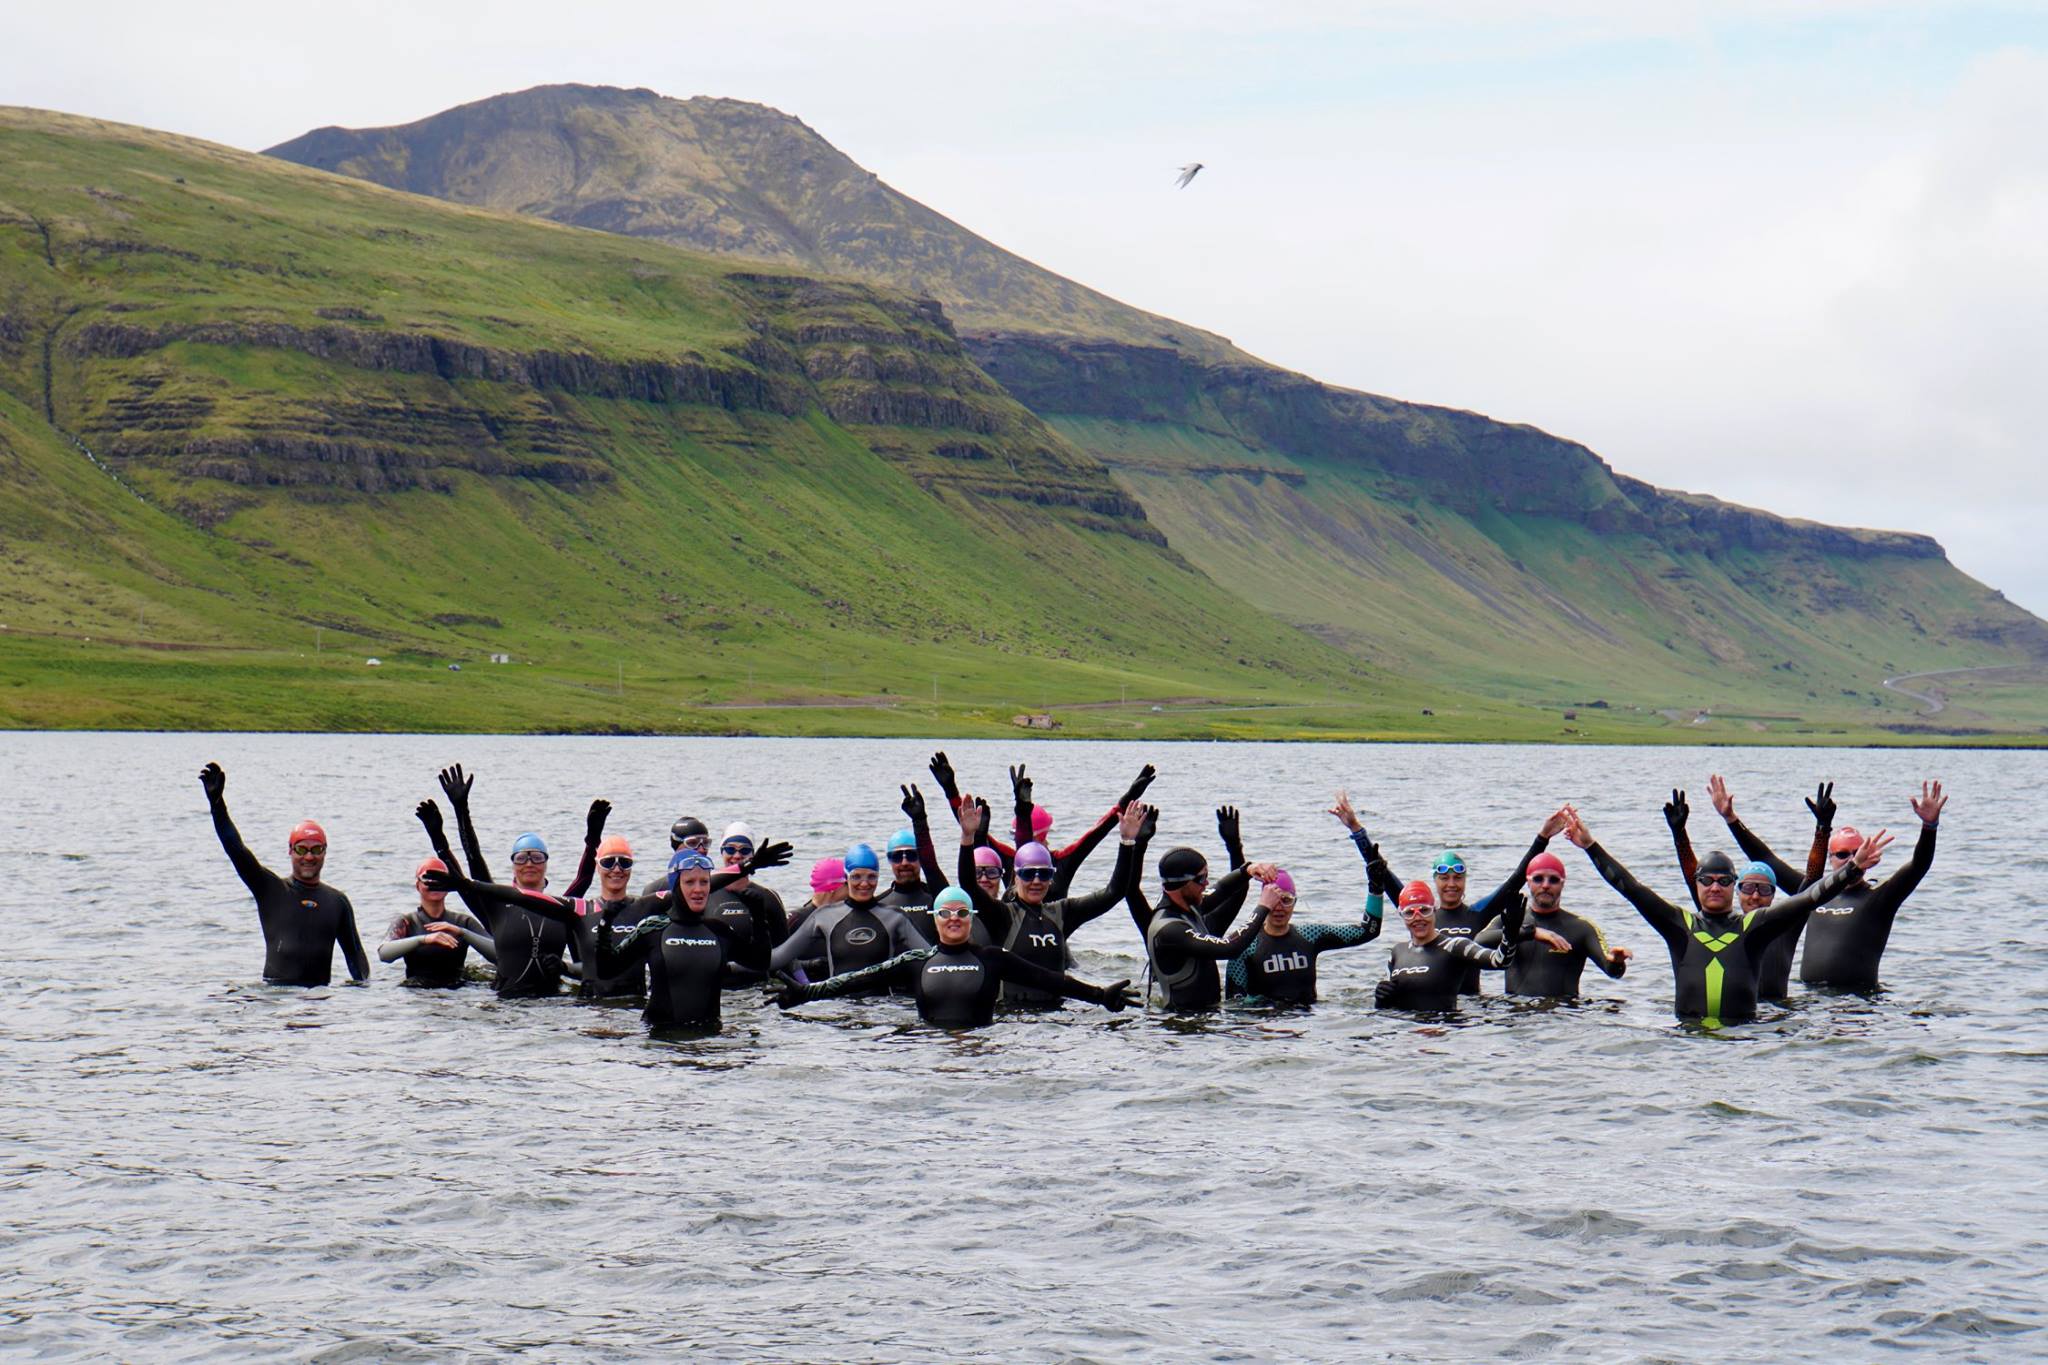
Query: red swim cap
pixel 305 832
pixel 1546 862
pixel 1417 893
pixel 613 845
pixel 430 865
pixel 1845 840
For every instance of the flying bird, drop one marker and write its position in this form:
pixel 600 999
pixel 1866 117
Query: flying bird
pixel 1188 172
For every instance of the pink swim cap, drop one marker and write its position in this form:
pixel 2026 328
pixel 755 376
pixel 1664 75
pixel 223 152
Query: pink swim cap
pixel 827 875
pixel 984 856
pixel 1285 882
pixel 1041 823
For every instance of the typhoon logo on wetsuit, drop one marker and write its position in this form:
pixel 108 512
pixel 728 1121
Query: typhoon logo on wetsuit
pixel 860 937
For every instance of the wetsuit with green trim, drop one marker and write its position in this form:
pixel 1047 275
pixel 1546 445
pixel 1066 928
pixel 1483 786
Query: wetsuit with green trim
pixel 687 956
pixel 301 923
pixel 1846 938
pixel 1774 972
pixel 1540 970
pixel 1039 933
pixel 1471 917
pixel 847 937
pixel 1714 958
pixel 427 963
pixel 955 987
pixel 1282 969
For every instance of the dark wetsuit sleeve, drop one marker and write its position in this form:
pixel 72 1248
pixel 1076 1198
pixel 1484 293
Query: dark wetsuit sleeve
pixel 1192 941
pixel 994 914
pixel 1225 899
pixel 928 855
pixel 1079 910
pixel 1593 944
pixel 1135 898
pixel 1688 861
pixel 770 928
pixel 1324 937
pixel 1786 916
pixel 1513 885
pixel 1233 847
pixel 259 879
pixel 898 973
pixel 1817 856
pixel 465 829
pixel 586 869
pixel 803 942
pixel 1015 969
pixel 1661 915
pixel 352 944
pixel 1891 893
pixel 1757 850
pixel 540 902
pixel 1067 862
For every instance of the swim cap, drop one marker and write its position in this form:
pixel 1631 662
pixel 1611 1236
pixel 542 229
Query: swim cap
pixel 614 845
pixel 306 832
pixel 1718 863
pixel 1032 855
pixel 861 858
pixel 984 856
pixel 1449 861
pixel 902 838
pixel 827 875
pixel 1757 871
pixel 1417 893
pixel 953 895
pixel 1546 862
pixel 1845 840
pixel 688 860
pixel 1181 865
pixel 529 843
pixel 689 827
pixel 1041 822
pixel 429 865
pixel 1285 882
pixel 737 832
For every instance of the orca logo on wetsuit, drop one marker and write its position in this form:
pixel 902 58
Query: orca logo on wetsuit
pixel 860 936
pixel 1294 962
pixel 1453 931
pixel 1407 971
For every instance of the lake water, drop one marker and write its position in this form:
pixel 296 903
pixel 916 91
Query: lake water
pixel 196 1166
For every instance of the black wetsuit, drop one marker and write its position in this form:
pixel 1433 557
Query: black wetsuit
pixel 1473 916
pixel 1846 938
pixel 1039 933
pixel 954 987
pixel 1430 976
pixel 1541 970
pixel 847 937
pixel 427 964
pixel 735 910
pixel 1183 951
pixel 1774 971
pixel 1714 958
pixel 301 924
pixel 530 934
pixel 687 956
pixel 1282 968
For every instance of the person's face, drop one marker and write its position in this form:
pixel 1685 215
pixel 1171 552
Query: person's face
pixel 955 926
pixel 1847 855
pixel 1189 894
pixel 433 902
pixel 1450 890
pixel 735 851
pixel 696 843
pixel 861 883
pixel 1421 921
pixel 308 857
pixel 990 880
pixel 903 866
pixel 1280 913
pixel 1717 892
pixel 613 874
pixel 529 869
pixel 1756 892
pixel 693 884
pixel 1033 884
pixel 1545 890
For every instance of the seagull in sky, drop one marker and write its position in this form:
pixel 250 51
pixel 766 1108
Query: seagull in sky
pixel 1188 172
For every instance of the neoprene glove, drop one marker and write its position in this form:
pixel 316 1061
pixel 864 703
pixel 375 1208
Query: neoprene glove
pixel 913 804
pixel 768 855
pixel 1118 996
pixel 942 773
pixel 430 816
pixel 1227 827
pixel 783 990
pixel 213 781
pixel 1383 994
pixel 1137 787
pixel 593 824
pixel 1822 804
pixel 456 786
pixel 1020 785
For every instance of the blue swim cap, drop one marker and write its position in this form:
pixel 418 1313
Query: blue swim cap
pixel 1762 870
pixel 529 843
pixel 861 858
pixel 902 838
pixel 1032 855
pixel 953 895
pixel 688 860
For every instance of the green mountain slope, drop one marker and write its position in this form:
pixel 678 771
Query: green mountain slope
pixel 259 423
pixel 1431 542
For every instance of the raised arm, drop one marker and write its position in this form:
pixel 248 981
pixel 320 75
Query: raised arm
pixel 899 973
pixel 1230 829
pixel 1664 917
pixel 456 784
pixel 1020 796
pixel 593 834
pixel 1067 861
pixel 1785 916
pixel 1378 878
pixel 1012 968
pixel 1676 813
pixel 1225 899
pixel 927 852
pixel 1192 941
pixel 473 893
pixel 1141 907
pixel 1893 890
pixel 993 913
pixel 258 878
pixel 1079 910
pixel 1513 885
pixel 1786 875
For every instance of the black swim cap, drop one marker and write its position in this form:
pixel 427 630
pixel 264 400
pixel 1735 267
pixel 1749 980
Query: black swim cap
pixel 1181 865
pixel 1717 863
pixel 689 827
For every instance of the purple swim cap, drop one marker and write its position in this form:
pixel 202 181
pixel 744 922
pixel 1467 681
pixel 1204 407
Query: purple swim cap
pixel 1033 855
pixel 1285 882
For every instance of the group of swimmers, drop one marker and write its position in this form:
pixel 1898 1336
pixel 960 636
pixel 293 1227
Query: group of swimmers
pixel 1000 929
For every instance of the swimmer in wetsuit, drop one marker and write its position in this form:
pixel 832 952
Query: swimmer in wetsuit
pixel 432 940
pixel 956 983
pixel 302 917
pixel 1428 971
pixel 688 952
pixel 1030 923
pixel 1033 823
pixel 857 932
pixel 914 876
pixel 1183 937
pixel 1774 972
pixel 1555 944
pixel 1280 966
pixel 687 832
pixel 732 903
pixel 1457 917
pixel 531 945
pixel 1715 951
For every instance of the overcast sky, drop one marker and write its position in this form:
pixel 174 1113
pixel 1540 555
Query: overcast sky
pixel 1792 254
